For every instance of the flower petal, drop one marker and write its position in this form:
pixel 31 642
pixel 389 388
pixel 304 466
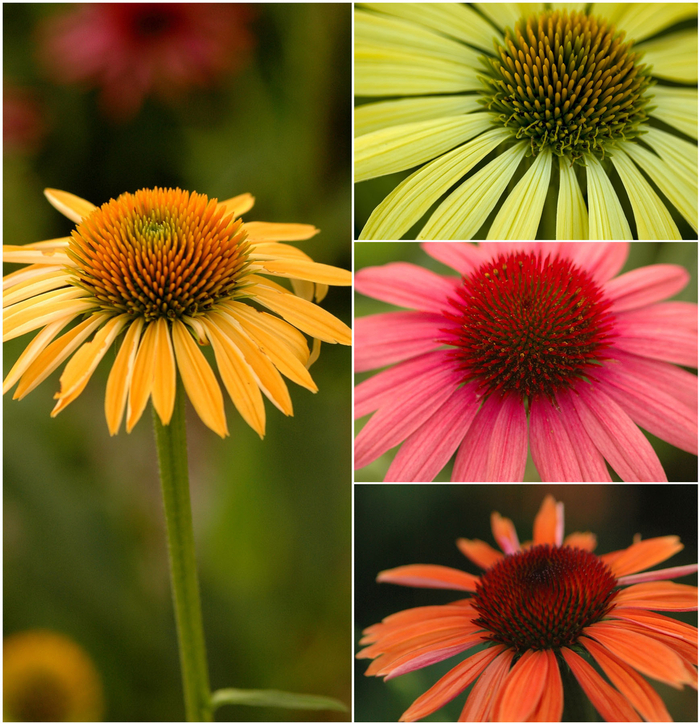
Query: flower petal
pixel 504 533
pixel 601 259
pixel 479 552
pixel 609 703
pixel 429 576
pixel 75 208
pixel 384 339
pixel 674 56
pixel 659 575
pixel 142 377
pixel 549 523
pixel 519 216
pixel 462 257
pixel 659 596
pixel 120 376
pixel 484 693
pixel 551 705
pixel 267 231
pixel 552 450
pixel 642 555
pixel 523 687
pixel 665 342
pixel 572 214
pixel 199 380
pixel 238 205
pixel 677 107
pixel 606 219
pixel 165 379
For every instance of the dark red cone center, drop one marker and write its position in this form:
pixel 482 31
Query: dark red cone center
pixel 529 324
pixel 543 597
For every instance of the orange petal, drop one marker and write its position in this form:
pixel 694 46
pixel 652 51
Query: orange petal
pixel 609 703
pixel 266 231
pixel 551 705
pixel 659 596
pixel 421 613
pixel 504 533
pixel 523 687
pixel 142 377
pixel 657 622
pixel 585 541
pixel 485 691
pixel 238 204
pixel 479 552
pixel 642 555
pixel 165 378
pixel 199 380
pixel 120 376
pixel 549 523
pixel 450 685
pixel 430 576
pixel 644 653
pixel 75 208
pixel 630 684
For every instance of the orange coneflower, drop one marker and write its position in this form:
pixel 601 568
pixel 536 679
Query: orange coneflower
pixel 540 608
pixel 169 269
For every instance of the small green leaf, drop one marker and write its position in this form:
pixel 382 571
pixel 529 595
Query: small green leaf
pixel 270 697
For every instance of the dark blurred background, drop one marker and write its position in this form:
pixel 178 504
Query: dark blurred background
pixel 402 524
pixel 84 549
pixel 680 466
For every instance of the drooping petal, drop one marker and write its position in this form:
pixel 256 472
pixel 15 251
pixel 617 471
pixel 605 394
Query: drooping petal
pixel 646 285
pixel 120 376
pixel 479 552
pixel 659 596
pixel 484 693
pixel 384 339
pixel 427 450
pixel 165 378
pixel 642 652
pixel 551 705
pixel 572 214
pixel 523 687
pixel 142 377
pixel 451 684
pixel 429 576
pixel 632 686
pixel 606 219
pixel 609 703
pixel 199 380
pixel 549 523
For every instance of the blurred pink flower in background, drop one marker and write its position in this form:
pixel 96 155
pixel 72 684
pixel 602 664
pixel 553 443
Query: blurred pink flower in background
pixel 23 127
pixel 132 50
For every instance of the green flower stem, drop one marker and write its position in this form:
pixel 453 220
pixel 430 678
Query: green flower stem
pixel 171 441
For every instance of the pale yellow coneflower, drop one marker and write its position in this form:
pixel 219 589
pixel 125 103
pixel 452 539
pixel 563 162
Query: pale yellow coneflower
pixel 169 269
pixel 529 120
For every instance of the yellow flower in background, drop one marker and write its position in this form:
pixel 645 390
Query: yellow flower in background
pixel 48 677
pixel 170 269
pixel 571 121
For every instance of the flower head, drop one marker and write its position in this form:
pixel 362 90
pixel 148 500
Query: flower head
pixel 132 50
pixel 170 269
pixel 529 120
pixel 536 341
pixel 540 609
pixel 49 677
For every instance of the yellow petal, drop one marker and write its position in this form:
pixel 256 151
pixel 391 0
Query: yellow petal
pixel 84 362
pixel 120 376
pixel 315 352
pixel 308 270
pixel 674 56
pixel 572 214
pixel 22 255
pixel 268 378
pixel 606 219
pixel 59 350
pixel 238 204
pixel 51 279
pixel 199 380
pixel 27 320
pixel 164 382
pixel 142 377
pixel 277 350
pixel 264 231
pixel 27 274
pixel 309 318
pixel 75 208
pixel 238 378
pixel 33 350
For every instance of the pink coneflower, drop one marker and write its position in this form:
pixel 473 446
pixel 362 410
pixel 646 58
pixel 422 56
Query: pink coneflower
pixel 131 50
pixel 531 331
pixel 540 609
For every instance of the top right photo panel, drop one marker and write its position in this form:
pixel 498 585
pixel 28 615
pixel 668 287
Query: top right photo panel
pixel 524 121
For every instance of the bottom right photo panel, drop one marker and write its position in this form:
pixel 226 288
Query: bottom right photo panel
pixel 487 602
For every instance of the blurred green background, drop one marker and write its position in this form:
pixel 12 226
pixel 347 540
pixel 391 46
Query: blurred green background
pixel 680 466
pixel 402 524
pixel 84 549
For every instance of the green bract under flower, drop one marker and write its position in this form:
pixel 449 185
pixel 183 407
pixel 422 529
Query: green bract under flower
pixel 568 82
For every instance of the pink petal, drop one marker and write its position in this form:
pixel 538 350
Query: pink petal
pixel 426 452
pixel 589 458
pixel 407 285
pixel 397 382
pixel 661 575
pixel 552 451
pixel 679 315
pixel 658 341
pixel 401 416
pixel 601 259
pixel 679 384
pixel 641 287
pixel 492 249
pixel 616 436
pixel 495 448
pixel 461 256
pixel 652 409
pixel 384 339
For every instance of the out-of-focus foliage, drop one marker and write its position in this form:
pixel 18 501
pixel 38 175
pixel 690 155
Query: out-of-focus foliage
pixel 679 465
pixel 402 524
pixel 84 533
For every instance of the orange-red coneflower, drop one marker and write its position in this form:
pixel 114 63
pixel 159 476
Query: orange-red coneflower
pixel 538 609
pixel 168 271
